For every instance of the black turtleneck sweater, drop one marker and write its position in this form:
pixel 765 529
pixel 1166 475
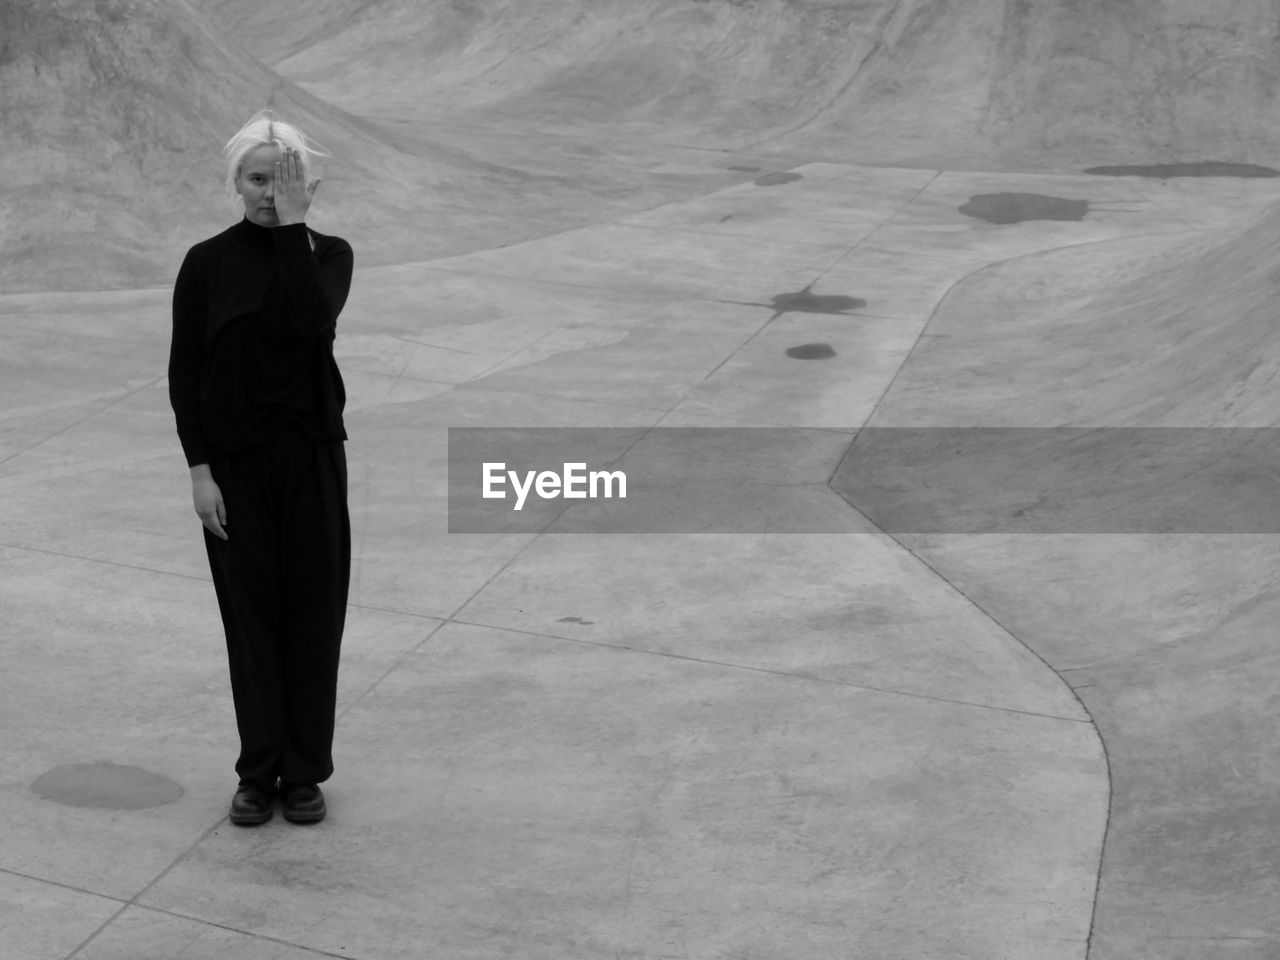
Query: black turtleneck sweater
pixel 254 314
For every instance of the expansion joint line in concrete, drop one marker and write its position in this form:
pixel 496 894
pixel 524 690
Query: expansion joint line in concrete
pixel 1102 845
pixel 933 314
pixel 1106 827
pixel 125 905
pixel 438 627
pixel 133 902
pixel 1106 753
pixel 26 548
pixel 71 888
pixel 264 938
pixel 864 241
pixel 822 273
pixel 924 327
pixel 784 674
pixel 114 401
pixel 395 665
pixel 893 216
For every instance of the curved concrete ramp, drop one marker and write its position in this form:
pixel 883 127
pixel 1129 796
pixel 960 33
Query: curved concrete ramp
pixel 1165 635
pixel 1168 641
pixel 105 191
pixel 993 83
pixel 1170 330
pixel 503 120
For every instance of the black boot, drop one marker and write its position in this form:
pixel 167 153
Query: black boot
pixel 252 804
pixel 303 802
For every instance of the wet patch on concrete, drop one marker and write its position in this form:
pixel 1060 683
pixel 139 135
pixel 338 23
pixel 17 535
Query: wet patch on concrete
pixel 108 786
pixel 806 301
pixel 1167 171
pixel 811 351
pixel 1019 207
pixel 776 179
pixel 726 218
pixel 746 169
pixel 585 623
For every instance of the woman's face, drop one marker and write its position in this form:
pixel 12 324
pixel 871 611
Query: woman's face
pixel 256 185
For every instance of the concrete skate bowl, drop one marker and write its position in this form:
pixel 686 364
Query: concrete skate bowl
pixel 459 126
pixel 494 121
pixel 1168 330
pixel 935 82
pixel 114 115
pixel 1159 617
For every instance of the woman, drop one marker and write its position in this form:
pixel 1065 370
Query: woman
pixel 258 401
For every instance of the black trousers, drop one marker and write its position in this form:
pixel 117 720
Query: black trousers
pixel 281 578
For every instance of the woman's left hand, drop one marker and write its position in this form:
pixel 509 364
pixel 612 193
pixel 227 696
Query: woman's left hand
pixel 292 193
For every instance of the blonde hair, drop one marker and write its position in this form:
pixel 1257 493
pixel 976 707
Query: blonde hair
pixel 265 128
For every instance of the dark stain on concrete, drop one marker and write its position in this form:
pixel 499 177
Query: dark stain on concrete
pixel 1018 207
pixel 1166 171
pixel 776 179
pixel 811 351
pixel 806 301
pixel 726 218
pixel 109 786
pixel 746 169
pixel 585 623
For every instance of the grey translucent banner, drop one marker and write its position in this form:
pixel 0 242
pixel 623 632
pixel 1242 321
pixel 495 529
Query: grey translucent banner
pixel 889 479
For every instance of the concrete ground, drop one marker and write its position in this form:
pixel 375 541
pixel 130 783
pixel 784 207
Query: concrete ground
pixel 883 740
